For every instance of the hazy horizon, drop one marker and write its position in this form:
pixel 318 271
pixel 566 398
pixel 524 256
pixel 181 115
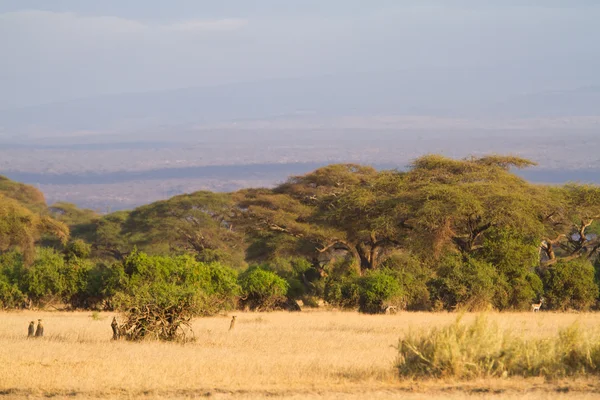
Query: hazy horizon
pixel 66 50
pixel 126 90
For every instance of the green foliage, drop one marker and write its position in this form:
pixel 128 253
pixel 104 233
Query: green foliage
pixel 343 292
pixel 378 289
pixel 26 195
pixel 197 223
pixel 77 249
pixel 413 276
pixel 43 280
pixel 10 295
pixel 298 273
pixel 199 288
pixel 21 228
pixel 570 285
pixel 482 350
pixel 262 290
pixel 463 283
pixel 82 222
pixel 99 284
pixel 445 234
pixel 514 258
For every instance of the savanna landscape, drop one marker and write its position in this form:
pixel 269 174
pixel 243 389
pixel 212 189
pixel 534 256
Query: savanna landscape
pixel 313 354
pixel 456 278
pixel 299 199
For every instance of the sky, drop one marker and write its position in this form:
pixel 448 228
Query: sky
pixel 58 50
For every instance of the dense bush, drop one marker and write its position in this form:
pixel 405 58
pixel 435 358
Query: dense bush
pixel 77 249
pixel 570 284
pixel 298 273
pixel 160 294
pixel 10 295
pixel 262 290
pixel 513 258
pixel 343 292
pixel 50 279
pixel 165 281
pixel 413 277
pixel 464 283
pixel 379 289
pixel 482 350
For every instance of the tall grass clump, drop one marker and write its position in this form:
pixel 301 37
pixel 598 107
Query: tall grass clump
pixel 481 349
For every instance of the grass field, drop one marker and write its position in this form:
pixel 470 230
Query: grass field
pixel 333 355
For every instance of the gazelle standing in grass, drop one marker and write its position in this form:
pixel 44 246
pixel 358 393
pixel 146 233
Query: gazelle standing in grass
pixel 536 307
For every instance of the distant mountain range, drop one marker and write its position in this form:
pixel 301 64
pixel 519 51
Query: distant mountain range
pixel 353 95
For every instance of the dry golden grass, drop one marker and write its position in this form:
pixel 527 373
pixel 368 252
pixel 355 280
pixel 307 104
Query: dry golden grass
pixel 334 355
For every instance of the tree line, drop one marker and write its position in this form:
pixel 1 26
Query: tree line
pixel 445 234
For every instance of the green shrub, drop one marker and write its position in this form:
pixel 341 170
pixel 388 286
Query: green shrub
pixel 166 281
pixel 413 277
pixel 570 284
pixel 160 294
pixel 47 279
pixel 262 290
pixel 77 249
pixel 482 350
pixel 298 272
pixel 101 284
pixel 343 292
pixel 463 283
pixel 378 289
pixel 10 295
pixel 513 257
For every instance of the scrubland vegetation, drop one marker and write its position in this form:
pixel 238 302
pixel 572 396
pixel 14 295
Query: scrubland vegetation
pixel 444 235
pixel 280 355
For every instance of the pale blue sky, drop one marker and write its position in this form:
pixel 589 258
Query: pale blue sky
pixel 60 50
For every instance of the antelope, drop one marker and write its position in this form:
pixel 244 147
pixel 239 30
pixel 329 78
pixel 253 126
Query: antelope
pixel 536 307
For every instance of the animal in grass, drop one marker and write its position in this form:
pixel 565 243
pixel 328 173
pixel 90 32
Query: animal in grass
pixel 536 307
pixel 232 324
pixel 115 328
pixel 31 329
pixel 39 332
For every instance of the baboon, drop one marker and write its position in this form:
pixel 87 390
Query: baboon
pixel 31 330
pixel 232 324
pixel 115 328
pixel 39 332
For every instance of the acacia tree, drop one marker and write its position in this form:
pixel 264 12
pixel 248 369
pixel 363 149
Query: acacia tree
pixel 23 228
pixel 481 216
pixel 372 216
pixel 572 211
pixel 454 204
pixel 199 223
pixel 336 209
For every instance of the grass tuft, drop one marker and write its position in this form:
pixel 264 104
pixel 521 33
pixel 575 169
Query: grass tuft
pixel 482 350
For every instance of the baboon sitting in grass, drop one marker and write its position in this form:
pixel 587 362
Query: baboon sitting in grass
pixel 31 330
pixel 39 332
pixel 115 328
